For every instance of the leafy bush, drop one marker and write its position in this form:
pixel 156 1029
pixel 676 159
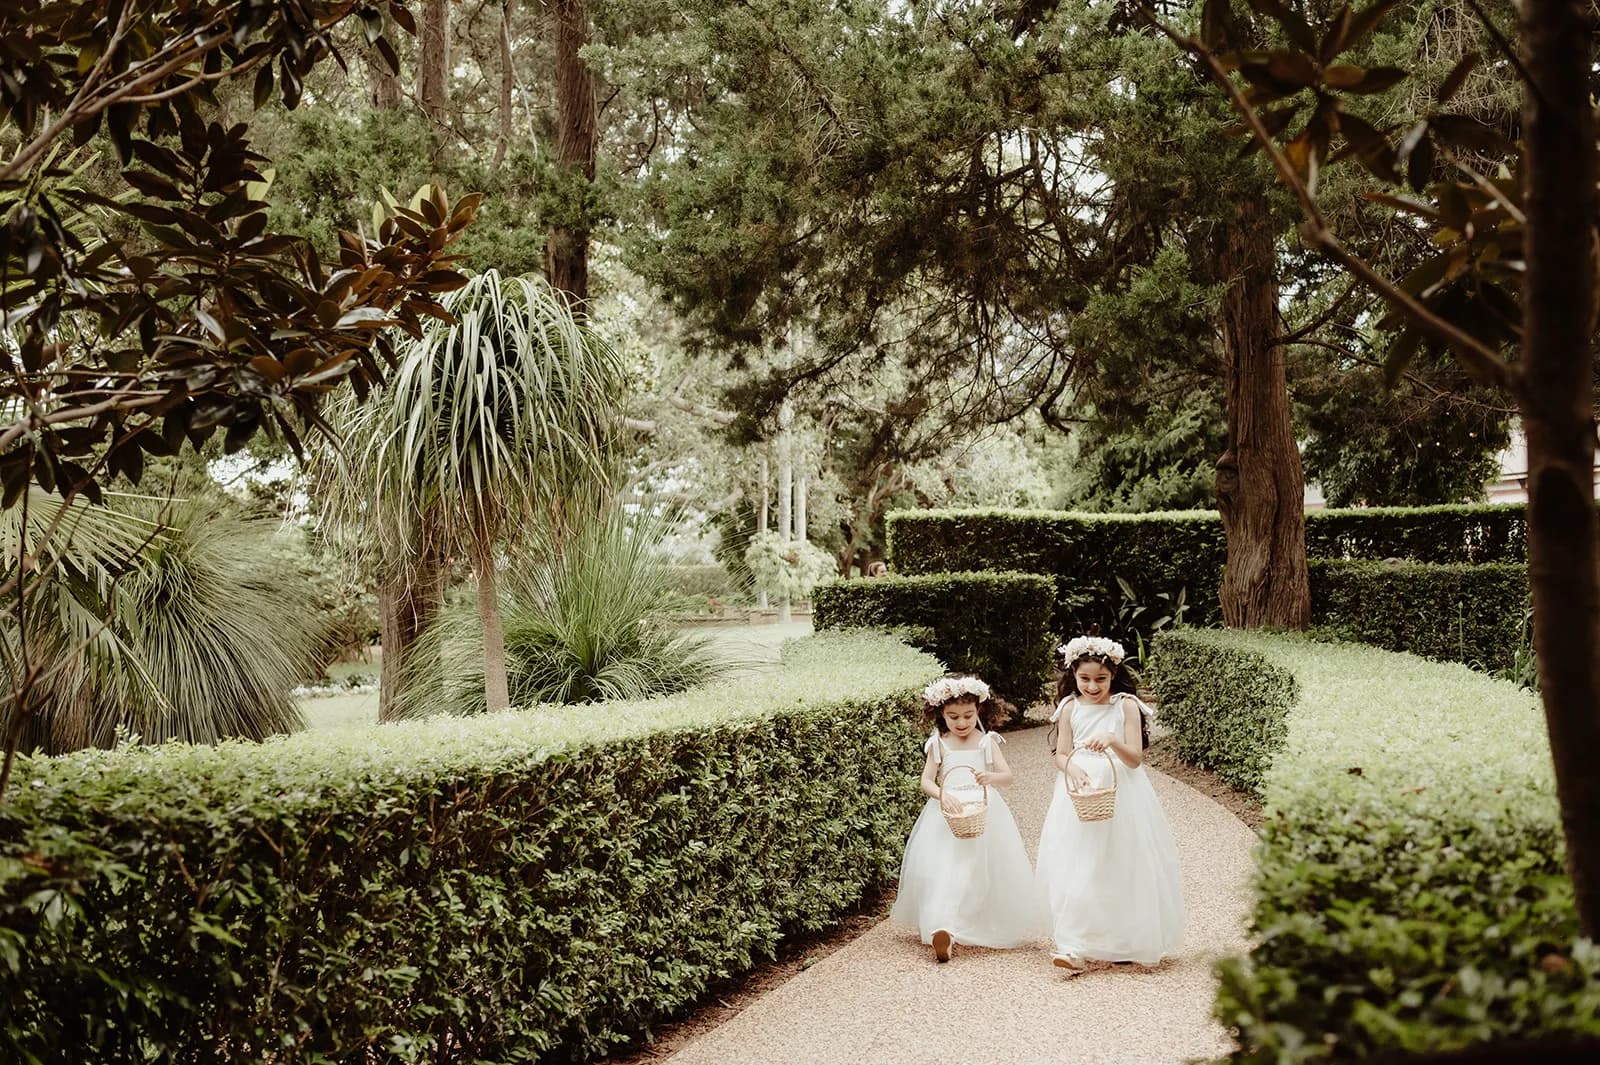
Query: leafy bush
pixel 696 585
pixel 1410 889
pixel 1182 551
pixel 169 620
pixel 1226 706
pixel 787 570
pixel 1471 614
pixel 586 619
pixel 996 625
pixel 1097 559
pixel 540 885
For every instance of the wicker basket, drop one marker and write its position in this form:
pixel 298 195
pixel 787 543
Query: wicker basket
pixel 968 824
pixel 1095 804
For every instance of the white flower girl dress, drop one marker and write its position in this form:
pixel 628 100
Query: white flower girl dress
pixel 980 890
pixel 1114 887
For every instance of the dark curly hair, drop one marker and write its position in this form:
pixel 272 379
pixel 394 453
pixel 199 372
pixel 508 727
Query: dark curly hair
pixel 993 712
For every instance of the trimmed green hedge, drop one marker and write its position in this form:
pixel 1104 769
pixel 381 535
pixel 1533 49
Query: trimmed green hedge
pixel 996 625
pixel 1461 598
pixel 1410 888
pixel 1226 708
pixel 1471 614
pixel 1083 553
pixel 540 885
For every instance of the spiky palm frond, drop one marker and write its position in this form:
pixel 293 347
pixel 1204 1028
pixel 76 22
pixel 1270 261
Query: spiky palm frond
pixel 585 620
pixel 190 636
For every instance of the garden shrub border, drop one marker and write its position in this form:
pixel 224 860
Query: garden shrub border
pixel 531 885
pixel 1453 613
pixel 1410 894
pixel 993 624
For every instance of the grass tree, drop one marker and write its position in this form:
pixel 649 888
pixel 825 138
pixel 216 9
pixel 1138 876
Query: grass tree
pixel 165 619
pixel 499 420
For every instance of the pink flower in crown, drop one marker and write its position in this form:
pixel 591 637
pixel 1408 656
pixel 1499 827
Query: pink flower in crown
pixel 946 689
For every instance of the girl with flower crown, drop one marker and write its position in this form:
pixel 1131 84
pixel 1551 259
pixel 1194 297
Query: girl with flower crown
pixel 980 891
pixel 1113 886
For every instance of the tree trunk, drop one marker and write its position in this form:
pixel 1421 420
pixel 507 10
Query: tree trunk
pixel 1558 416
pixel 1260 487
pixel 383 84
pixel 800 487
pixel 785 497
pixel 566 256
pixel 433 63
pixel 496 685
pixel 407 605
pixel 508 81
pixel 763 519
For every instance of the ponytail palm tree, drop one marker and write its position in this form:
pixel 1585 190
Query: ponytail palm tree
pixel 503 418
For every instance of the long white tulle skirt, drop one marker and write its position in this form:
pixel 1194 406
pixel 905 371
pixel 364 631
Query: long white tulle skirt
pixel 1114 888
pixel 982 891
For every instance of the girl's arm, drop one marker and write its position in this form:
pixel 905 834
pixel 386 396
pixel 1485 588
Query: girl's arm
pixel 1130 745
pixel 930 777
pixel 1064 748
pixel 1000 776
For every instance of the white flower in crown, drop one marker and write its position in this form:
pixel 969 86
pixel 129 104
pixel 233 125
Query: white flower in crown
pixel 1099 646
pixel 947 689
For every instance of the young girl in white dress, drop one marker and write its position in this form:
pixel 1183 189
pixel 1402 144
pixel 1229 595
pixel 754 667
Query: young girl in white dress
pixel 1113 887
pixel 981 891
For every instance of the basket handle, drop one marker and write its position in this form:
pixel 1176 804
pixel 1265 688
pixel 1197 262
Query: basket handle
pixel 1108 758
pixel 974 773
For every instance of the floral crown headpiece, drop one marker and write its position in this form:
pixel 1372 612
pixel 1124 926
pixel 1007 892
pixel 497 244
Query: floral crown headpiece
pixel 1091 646
pixel 949 689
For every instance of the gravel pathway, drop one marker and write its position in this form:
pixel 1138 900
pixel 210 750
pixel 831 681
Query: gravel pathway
pixel 882 1000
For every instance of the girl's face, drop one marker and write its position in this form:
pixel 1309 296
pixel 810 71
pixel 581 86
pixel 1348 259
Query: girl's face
pixel 1093 679
pixel 961 718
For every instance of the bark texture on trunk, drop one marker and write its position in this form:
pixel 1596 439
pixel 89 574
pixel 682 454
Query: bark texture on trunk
pixel 567 249
pixel 1558 417
pixel 383 84
pixel 433 61
pixel 407 605
pixel 1260 486
pixel 496 685
pixel 508 81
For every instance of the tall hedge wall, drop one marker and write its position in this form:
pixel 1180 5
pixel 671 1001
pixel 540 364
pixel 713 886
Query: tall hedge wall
pixel 539 885
pixel 1410 894
pixel 1453 610
pixel 996 625
pixel 1471 614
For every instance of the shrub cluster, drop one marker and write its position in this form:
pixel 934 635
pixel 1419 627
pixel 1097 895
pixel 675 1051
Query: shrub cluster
pixel 539 885
pixel 1226 706
pixel 996 625
pixel 1410 889
pixel 1455 613
pixel 1460 599
pixel 1084 553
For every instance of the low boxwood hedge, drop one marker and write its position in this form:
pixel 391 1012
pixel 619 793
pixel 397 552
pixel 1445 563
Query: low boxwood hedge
pixel 1455 613
pixel 540 885
pixel 996 625
pixel 1410 889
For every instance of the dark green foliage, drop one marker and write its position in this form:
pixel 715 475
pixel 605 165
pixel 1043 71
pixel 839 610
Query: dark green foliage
pixel 1226 707
pixel 1165 553
pixel 1471 614
pixel 1085 553
pixel 1410 889
pixel 520 887
pixel 994 625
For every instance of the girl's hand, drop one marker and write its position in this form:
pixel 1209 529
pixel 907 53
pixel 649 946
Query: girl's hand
pixel 1078 776
pixel 949 803
pixel 1099 742
pixel 985 777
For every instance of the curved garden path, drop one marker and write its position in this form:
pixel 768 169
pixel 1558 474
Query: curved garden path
pixel 881 1000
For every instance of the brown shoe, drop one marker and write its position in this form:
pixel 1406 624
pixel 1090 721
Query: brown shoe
pixel 942 942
